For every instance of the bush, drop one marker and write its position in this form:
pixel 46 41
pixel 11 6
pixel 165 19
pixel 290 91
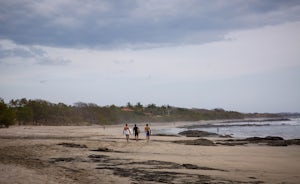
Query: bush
pixel 7 115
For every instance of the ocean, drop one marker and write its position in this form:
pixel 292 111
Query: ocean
pixel 285 129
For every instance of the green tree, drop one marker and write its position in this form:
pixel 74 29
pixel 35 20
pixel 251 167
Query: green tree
pixel 129 105
pixel 41 110
pixel 7 115
pixel 138 107
pixel 24 115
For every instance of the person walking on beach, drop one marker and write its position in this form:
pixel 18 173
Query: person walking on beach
pixel 127 132
pixel 136 132
pixel 148 132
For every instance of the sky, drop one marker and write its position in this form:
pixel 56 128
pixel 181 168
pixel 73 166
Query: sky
pixel 237 55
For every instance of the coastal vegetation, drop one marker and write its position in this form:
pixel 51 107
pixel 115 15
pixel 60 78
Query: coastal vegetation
pixel 7 114
pixel 41 112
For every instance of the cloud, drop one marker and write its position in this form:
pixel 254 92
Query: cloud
pixel 19 51
pixel 46 61
pixel 43 81
pixel 247 71
pixel 12 54
pixel 123 62
pixel 15 52
pixel 135 24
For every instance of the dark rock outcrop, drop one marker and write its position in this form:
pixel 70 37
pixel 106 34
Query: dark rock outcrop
pixel 103 150
pixel 63 159
pixel 269 140
pixel 72 145
pixel 293 142
pixel 201 142
pixel 198 133
pixel 263 139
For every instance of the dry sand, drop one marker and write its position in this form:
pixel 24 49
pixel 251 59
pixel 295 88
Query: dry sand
pixel 71 154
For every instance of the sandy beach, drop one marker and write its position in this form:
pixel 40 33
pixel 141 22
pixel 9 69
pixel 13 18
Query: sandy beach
pixel 98 154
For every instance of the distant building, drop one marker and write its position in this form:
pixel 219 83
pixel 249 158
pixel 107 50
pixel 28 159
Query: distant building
pixel 126 109
pixel 148 113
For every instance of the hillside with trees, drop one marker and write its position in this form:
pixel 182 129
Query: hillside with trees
pixel 41 112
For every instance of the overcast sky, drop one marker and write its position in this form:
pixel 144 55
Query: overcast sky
pixel 241 55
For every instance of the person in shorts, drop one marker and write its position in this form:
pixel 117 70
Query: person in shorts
pixel 136 132
pixel 127 132
pixel 148 132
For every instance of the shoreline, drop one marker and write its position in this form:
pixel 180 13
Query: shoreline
pixel 285 128
pixel 93 154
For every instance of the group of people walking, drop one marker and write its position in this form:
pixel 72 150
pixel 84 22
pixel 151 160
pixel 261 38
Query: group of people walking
pixel 136 131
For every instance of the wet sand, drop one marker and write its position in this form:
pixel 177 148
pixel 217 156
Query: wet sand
pixel 97 154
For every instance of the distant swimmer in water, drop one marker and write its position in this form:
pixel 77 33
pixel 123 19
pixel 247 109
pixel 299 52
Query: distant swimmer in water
pixel 127 132
pixel 148 132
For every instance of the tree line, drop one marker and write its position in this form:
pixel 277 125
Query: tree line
pixel 41 112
